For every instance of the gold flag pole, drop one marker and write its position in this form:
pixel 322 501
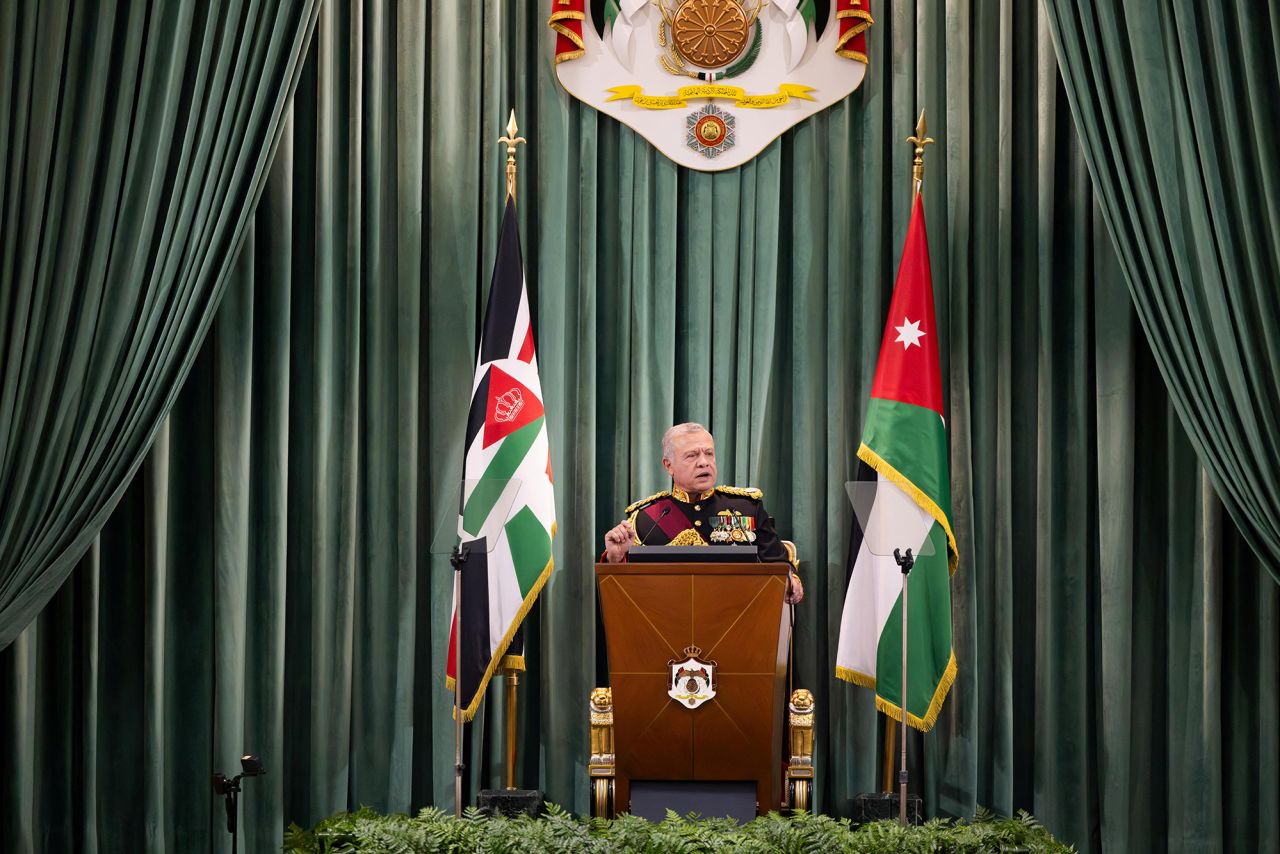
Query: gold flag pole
pixel 890 730
pixel 511 140
pixel 917 179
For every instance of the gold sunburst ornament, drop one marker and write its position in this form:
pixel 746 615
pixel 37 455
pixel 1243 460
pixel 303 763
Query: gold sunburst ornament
pixel 710 33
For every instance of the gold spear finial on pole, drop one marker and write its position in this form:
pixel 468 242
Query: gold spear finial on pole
pixel 511 141
pixel 917 165
pixel 511 673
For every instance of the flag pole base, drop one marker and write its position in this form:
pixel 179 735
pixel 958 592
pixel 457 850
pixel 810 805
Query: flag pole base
pixel 511 802
pixel 885 806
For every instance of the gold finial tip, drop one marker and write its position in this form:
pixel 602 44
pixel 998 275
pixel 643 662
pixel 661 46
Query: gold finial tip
pixel 511 141
pixel 917 164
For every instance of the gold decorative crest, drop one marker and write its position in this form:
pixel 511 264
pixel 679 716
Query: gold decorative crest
pixel 776 62
pixel 709 33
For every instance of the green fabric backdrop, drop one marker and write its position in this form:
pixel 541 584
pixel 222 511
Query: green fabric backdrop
pixel 268 583
pixel 1189 87
pixel 135 139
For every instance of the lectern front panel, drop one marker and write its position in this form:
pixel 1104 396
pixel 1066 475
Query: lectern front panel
pixel 727 617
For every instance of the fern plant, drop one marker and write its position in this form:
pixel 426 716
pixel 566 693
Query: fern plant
pixel 432 831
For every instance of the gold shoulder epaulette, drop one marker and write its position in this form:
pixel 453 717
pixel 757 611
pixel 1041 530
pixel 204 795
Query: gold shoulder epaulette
pixel 745 491
pixel 643 501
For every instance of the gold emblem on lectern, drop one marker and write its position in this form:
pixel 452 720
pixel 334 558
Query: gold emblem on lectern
pixel 693 681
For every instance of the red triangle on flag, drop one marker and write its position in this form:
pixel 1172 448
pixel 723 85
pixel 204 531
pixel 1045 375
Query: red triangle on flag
pixel 908 368
pixel 511 405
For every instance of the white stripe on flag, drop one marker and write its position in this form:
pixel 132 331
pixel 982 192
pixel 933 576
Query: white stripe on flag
pixel 491 527
pixel 875 585
pixel 504 591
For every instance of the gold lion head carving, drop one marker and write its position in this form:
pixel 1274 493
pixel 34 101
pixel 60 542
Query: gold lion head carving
pixel 801 700
pixel 601 699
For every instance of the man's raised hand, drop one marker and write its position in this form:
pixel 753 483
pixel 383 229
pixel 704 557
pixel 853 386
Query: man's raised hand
pixel 617 541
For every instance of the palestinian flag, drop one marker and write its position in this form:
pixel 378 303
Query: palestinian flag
pixel 508 513
pixel 904 451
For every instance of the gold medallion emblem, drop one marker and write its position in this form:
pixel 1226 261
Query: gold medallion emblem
pixel 710 33
pixel 710 131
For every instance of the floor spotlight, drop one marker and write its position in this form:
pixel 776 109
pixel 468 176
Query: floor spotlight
pixel 229 789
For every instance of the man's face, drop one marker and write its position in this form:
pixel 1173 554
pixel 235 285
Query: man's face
pixel 692 464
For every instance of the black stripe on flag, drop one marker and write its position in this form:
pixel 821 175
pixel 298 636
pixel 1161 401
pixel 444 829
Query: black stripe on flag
pixel 479 409
pixel 504 292
pixel 474 640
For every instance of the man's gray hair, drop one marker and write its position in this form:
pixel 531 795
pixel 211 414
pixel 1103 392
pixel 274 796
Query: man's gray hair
pixel 669 437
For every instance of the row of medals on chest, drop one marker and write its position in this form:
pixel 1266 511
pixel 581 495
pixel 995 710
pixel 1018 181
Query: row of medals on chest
pixel 732 527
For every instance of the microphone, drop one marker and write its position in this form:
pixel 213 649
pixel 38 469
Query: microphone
pixel 661 516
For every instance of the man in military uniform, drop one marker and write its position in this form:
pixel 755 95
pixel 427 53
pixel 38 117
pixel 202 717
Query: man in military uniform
pixel 696 512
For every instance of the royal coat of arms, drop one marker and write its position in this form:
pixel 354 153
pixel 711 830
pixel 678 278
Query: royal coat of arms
pixel 710 83
pixel 693 681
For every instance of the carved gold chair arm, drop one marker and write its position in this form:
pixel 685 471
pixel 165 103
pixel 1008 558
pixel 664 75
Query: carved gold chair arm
pixel 799 776
pixel 602 766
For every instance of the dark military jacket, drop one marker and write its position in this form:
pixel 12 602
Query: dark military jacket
pixel 724 516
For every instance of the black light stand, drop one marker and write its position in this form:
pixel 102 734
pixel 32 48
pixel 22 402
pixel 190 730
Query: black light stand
pixel 229 788
pixel 906 561
pixel 459 559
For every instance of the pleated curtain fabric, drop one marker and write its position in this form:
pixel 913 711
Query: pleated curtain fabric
pixel 1174 102
pixel 135 139
pixel 272 581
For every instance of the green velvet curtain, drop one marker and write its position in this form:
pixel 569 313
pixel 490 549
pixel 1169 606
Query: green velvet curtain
pixel 135 139
pixel 269 582
pixel 1174 100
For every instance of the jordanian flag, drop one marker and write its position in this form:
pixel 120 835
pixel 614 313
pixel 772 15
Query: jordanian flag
pixel 904 454
pixel 508 513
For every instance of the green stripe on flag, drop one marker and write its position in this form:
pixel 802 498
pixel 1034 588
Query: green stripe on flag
pixel 496 477
pixel 530 548
pixel 929 641
pixel 913 440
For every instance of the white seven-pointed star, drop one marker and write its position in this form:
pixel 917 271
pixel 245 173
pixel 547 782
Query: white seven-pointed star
pixel 909 333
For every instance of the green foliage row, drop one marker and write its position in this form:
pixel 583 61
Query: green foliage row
pixel 433 831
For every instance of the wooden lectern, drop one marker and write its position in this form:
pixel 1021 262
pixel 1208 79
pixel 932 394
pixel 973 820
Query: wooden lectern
pixel 728 615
